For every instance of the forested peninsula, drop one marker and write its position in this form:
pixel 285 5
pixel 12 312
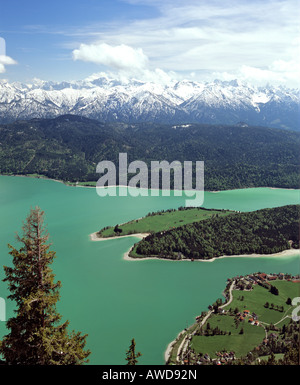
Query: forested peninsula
pixel 263 231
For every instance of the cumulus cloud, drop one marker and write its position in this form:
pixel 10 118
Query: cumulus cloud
pixel 121 57
pixel 128 61
pixel 4 61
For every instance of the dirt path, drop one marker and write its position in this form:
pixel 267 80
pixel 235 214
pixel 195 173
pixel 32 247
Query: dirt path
pixel 230 295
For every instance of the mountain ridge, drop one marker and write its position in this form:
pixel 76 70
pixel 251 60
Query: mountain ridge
pixel 109 100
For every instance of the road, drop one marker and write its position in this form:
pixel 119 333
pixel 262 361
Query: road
pixel 184 344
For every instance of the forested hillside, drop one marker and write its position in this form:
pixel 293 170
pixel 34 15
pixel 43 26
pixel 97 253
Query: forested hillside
pixel 264 231
pixel 69 147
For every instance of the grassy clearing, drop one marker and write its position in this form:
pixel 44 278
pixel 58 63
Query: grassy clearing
pixel 162 221
pixel 241 344
pixel 277 357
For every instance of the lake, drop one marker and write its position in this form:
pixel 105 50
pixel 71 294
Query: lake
pixel 113 300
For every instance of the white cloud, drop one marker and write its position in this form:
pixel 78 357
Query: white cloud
pixel 250 39
pixel 121 57
pixel 128 61
pixel 4 61
pixel 156 76
pixel 279 72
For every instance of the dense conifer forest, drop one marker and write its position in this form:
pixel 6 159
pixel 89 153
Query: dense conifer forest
pixel 69 148
pixel 263 232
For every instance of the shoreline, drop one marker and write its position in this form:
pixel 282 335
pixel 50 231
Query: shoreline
pixel 283 253
pixel 76 184
pixel 169 348
pixel 168 351
pixel 94 238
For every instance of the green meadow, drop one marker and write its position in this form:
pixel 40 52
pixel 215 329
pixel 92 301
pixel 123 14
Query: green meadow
pixel 162 221
pixel 241 344
pixel 242 337
pixel 256 299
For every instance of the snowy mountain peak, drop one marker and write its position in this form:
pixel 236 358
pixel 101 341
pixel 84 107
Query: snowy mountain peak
pixel 108 99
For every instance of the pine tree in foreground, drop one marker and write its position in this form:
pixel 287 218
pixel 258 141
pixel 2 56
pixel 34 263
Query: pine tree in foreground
pixel 131 356
pixel 35 337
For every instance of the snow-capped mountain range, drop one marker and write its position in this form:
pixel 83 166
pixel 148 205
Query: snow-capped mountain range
pixel 110 100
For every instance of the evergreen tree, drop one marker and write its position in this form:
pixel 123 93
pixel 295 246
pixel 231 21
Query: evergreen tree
pixel 291 357
pixel 274 290
pixel 117 230
pixel 271 359
pixel 131 356
pixel 35 337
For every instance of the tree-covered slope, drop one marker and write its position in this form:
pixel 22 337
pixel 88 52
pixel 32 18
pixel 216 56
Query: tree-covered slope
pixel 264 231
pixel 69 148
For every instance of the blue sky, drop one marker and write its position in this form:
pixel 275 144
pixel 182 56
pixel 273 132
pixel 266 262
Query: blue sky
pixel 256 41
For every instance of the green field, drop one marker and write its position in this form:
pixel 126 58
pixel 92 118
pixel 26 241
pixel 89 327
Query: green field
pixel 241 344
pixel 252 336
pixel 255 300
pixel 164 220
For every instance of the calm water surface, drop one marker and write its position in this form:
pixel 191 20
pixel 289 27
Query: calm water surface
pixel 113 300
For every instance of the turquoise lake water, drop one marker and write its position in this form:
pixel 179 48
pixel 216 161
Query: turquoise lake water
pixel 113 300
